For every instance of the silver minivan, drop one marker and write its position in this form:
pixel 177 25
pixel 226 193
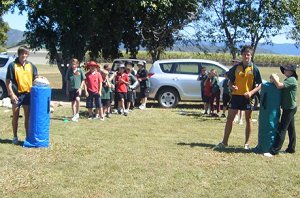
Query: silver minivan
pixel 175 80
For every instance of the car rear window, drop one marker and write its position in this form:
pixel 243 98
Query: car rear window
pixel 209 66
pixel 186 68
pixel 166 67
pixel 3 61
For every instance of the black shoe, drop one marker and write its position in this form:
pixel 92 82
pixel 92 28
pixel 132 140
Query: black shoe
pixel 289 150
pixel 223 115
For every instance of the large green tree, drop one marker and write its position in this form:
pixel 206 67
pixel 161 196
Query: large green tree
pixel 294 11
pixel 5 6
pixel 236 22
pixel 71 28
pixel 161 20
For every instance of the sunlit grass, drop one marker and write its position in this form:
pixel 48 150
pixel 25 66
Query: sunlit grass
pixel 152 153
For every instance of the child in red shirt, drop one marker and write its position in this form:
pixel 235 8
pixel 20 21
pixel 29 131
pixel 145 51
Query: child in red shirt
pixel 121 82
pixel 93 89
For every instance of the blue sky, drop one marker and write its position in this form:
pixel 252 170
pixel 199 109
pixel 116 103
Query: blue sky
pixel 18 22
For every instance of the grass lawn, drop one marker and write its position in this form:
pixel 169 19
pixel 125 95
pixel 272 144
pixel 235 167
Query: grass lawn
pixel 151 153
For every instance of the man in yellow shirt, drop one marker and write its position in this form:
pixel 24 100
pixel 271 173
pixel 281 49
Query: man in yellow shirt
pixel 244 81
pixel 19 79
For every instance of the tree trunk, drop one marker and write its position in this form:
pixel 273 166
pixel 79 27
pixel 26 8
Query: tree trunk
pixel 63 67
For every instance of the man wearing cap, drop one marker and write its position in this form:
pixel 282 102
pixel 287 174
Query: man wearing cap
pixel 142 76
pixel 93 88
pixel 288 104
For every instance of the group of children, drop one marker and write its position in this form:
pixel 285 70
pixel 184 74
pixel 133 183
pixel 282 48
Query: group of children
pixel 211 92
pixel 210 89
pixel 103 86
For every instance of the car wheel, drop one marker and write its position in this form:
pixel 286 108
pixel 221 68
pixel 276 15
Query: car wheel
pixel 3 91
pixel 168 98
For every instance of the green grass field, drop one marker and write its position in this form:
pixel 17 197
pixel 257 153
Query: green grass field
pixel 151 153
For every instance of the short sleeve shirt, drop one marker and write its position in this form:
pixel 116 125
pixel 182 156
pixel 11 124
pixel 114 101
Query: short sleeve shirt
pixel 289 93
pixel 143 73
pixel 21 76
pixel 215 84
pixel 225 86
pixel 121 86
pixel 75 78
pixel 244 77
pixel 93 81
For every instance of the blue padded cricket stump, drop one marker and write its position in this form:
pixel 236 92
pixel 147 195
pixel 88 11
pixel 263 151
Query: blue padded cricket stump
pixel 39 117
pixel 269 115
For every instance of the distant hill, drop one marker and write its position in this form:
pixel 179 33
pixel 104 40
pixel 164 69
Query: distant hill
pixel 284 49
pixel 14 37
pixel 287 49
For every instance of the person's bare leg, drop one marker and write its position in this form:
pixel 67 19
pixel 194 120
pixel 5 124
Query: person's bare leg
pixel 73 106
pixel 26 118
pixel 228 126
pixel 15 119
pixel 77 105
pixel 248 129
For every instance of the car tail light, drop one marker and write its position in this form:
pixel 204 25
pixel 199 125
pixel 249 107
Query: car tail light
pixel 150 75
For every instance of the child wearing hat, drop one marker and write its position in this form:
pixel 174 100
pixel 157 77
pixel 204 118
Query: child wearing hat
pixel 288 104
pixel 121 89
pixel 93 90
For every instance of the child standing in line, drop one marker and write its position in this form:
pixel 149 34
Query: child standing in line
pixel 289 108
pixel 75 84
pixel 215 94
pixel 106 93
pixel 132 84
pixel 207 91
pixel 93 90
pixel 225 96
pixel 121 84
pixel 202 77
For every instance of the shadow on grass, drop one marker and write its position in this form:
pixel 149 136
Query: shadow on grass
pixel 213 147
pixel 8 141
pixel 58 95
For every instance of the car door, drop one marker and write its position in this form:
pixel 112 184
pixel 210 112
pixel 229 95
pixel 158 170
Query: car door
pixel 186 74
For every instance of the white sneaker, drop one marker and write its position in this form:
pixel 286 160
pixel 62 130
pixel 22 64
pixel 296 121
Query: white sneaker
pixel 15 141
pixel 241 122
pixel 247 147
pixel 96 116
pixel 102 118
pixel 75 118
pixel 268 155
pixel 142 106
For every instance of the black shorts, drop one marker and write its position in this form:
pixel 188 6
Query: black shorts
pixel 205 98
pixel 23 99
pixel 94 98
pixel 240 102
pixel 121 95
pixel 105 102
pixel 130 96
pixel 144 92
pixel 73 94
pixel 226 98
